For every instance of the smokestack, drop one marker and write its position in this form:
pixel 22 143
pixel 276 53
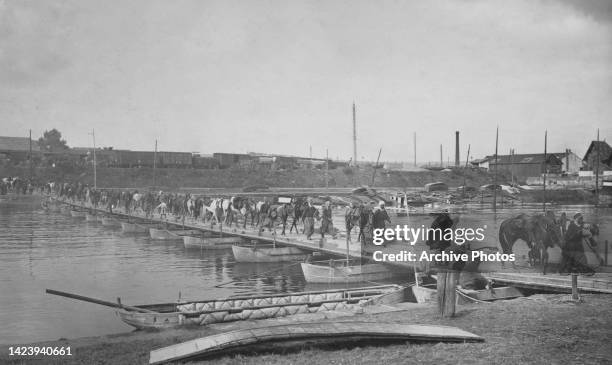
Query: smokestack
pixel 441 163
pixel 457 149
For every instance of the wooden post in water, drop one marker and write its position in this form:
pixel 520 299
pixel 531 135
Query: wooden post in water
pixel 575 294
pixel 447 296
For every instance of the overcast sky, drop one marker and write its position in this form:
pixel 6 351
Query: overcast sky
pixel 279 76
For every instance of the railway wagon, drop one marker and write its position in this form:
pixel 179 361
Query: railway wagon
pixel 174 159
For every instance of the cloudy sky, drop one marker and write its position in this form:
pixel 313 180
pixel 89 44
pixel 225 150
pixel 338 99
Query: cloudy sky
pixel 280 76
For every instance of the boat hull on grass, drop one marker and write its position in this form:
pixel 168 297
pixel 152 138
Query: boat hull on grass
pixel 109 222
pixel 331 274
pixel 201 313
pixel 164 234
pixel 263 337
pixel 267 254
pixel 202 242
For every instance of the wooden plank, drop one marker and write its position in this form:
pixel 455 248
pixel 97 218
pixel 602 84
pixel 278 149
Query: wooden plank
pixel 329 330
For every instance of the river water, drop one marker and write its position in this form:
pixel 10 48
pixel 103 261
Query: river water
pixel 40 250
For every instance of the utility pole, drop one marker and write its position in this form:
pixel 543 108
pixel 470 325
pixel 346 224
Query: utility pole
pixel 354 135
pixel 30 159
pixel 310 151
pixel 326 168
pixel 154 165
pixel 414 149
pixel 597 170
pixel 93 134
pixel 441 156
pixel 495 172
pixel 545 169
pixel 456 148
pixel 376 167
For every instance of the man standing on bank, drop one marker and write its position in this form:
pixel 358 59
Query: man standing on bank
pixel 573 259
pixel 309 215
pixel 380 217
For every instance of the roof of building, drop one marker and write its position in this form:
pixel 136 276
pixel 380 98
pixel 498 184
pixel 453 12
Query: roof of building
pixel 526 158
pixel 604 150
pixel 17 144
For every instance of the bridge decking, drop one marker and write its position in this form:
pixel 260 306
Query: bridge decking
pixel 528 278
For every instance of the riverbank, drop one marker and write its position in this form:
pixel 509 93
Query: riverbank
pixel 533 330
pixel 240 178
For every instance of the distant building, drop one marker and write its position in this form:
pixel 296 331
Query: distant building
pixel 605 156
pixel 17 144
pixel 526 165
pixel 482 163
pixel 572 163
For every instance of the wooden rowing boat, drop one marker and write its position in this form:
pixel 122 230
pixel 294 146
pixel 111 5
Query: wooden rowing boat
pixel 127 227
pixel 338 272
pixel 488 295
pixel 204 242
pixel 325 332
pixel 169 315
pixel 164 234
pixel 109 222
pixel 267 254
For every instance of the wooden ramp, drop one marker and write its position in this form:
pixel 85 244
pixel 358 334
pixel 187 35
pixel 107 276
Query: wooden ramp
pixel 307 331
pixel 599 283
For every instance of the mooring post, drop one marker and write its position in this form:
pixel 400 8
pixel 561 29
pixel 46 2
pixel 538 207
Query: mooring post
pixel 447 296
pixel 575 294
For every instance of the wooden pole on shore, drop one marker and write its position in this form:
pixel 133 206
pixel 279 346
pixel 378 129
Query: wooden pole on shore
pixel 154 164
pixel 597 170
pixel 575 294
pixel 446 290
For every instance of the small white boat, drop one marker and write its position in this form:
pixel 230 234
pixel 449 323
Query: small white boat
pixel 78 213
pixel 201 242
pixel 164 234
pixel 133 228
pixel 267 254
pixel 337 272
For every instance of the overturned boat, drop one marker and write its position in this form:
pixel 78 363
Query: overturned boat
pixel 207 242
pixel 337 271
pixel 200 313
pixel 266 253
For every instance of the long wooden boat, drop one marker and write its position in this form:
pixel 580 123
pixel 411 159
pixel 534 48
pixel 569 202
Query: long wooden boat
pixel 424 293
pixel 338 272
pixel 215 243
pixel 201 313
pixel 165 234
pixel 109 222
pixel 78 213
pixel 488 295
pixel 267 254
pixel 127 227
pixel 295 334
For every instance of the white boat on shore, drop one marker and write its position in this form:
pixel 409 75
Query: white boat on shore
pixel 165 234
pixel 267 254
pixel 338 272
pixel 127 227
pixel 215 243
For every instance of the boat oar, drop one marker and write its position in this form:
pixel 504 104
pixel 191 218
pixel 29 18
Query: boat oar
pixel 96 301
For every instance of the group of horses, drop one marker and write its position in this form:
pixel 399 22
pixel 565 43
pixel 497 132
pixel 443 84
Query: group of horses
pixel 540 232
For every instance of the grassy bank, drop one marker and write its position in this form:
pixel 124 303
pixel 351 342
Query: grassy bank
pixel 542 329
pixel 237 178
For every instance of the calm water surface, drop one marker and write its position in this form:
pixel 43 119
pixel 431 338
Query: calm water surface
pixel 40 250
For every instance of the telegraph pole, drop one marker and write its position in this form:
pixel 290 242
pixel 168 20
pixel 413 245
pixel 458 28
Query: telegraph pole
pixel 93 134
pixel 30 155
pixel 545 169
pixel 495 172
pixel 154 164
pixel 354 135
pixel 414 149
pixel 597 170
